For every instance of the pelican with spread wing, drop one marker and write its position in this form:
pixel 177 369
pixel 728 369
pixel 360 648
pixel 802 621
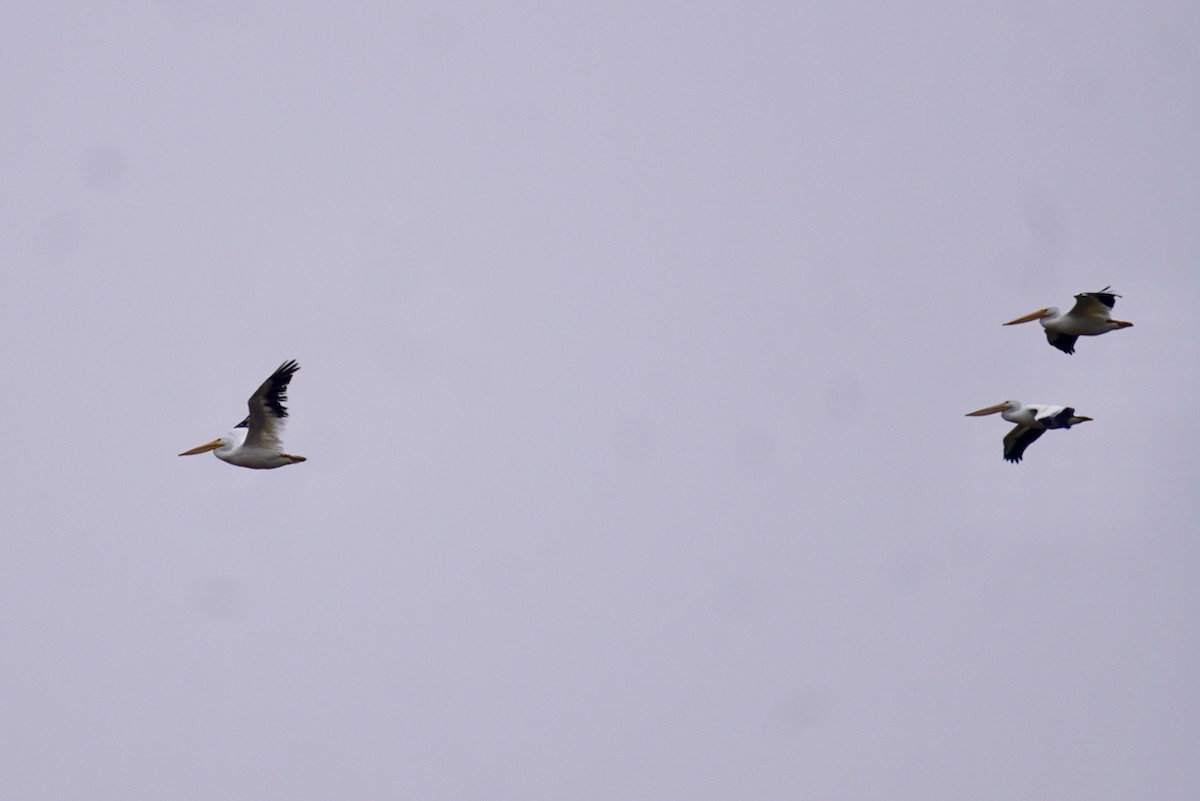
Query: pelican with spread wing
pixel 1032 421
pixel 1089 317
pixel 255 442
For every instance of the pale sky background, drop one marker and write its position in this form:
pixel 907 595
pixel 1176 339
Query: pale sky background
pixel 636 340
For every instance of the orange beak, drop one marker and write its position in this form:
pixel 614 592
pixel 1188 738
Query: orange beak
pixel 999 407
pixel 1029 318
pixel 212 446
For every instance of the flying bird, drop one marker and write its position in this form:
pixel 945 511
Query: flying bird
pixel 1089 317
pixel 254 442
pixel 1032 421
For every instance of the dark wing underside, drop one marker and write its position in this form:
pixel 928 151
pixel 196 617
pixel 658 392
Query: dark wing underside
pixel 1018 440
pixel 1061 341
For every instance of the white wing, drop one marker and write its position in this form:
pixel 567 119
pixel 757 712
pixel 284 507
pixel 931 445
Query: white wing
pixel 1095 305
pixel 267 412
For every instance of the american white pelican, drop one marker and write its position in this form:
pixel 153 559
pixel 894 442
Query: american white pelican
pixel 1087 318
pixel 1032 421
pixel 254 442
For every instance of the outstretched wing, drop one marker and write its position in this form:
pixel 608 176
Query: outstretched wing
pixel 1094 304
pixel 1017 440
pixel 1063 342
pixel 267 410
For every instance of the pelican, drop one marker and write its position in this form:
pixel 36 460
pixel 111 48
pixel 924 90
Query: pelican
pixel 1089 317
pixel 254 442
pixel 1032 421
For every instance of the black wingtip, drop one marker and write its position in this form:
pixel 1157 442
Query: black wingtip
pixel 1060 420
pixel 1109 299
pixel 277 392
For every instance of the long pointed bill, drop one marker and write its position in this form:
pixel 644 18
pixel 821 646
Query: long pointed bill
pixel 1121 324
pixel 212 446
pixel 1029 318
pixel 999 407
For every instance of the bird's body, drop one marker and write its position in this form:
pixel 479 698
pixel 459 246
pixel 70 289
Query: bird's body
pixel 255 441
pixel 1032 421
pixel 1089 317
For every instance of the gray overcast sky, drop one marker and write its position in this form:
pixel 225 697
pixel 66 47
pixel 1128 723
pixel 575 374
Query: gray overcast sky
pixel 636 343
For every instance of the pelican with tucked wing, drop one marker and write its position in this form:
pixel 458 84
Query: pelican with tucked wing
pixel 1089 317
pixel 1032 421
pixel 254 442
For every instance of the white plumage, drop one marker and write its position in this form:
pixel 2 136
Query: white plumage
pixel 1031 421
pixel 1089 317
pixel 255 442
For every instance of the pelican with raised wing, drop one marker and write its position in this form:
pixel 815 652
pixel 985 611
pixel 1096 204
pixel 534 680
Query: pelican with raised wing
pixel 1089 317
pixel 1032 421
pixel 254 442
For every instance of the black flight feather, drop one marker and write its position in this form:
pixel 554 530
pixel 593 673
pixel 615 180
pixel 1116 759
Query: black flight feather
pixel 1109 299
pixel 1061 341
pixel 276 394
pixel 1015 449
pixel 1060 420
